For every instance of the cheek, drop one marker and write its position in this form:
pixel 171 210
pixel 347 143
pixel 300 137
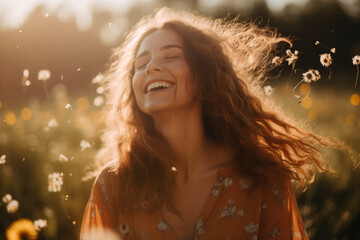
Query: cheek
pixel 137 85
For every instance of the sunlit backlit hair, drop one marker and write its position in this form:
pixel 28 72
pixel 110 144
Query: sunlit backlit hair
pixel 229 62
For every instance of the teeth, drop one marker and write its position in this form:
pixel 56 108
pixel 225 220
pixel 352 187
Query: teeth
pixel 158 84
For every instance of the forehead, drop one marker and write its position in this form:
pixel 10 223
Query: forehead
pixel 159 38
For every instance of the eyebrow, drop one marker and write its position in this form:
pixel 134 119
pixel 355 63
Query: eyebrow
pixel 161 49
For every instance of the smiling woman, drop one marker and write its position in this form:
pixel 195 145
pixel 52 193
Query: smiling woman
pixel 192 149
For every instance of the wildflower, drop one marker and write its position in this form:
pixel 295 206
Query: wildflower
pixel 12 206
pixel 21 229
pixel 333 50
pixel 311 75
pixel 292 57
pixel 7 198
pixel 84 145
pixel 326 59
pixel 317 43
pixel 251 227
pixel 268 90
pixel 308 77
pixel 3 159
pixel 68 106
pixel 199 226
pixel 40 224
pixel 52 123
pixel 63 158
pixel 44 75
pixel 276 60
pixel 55 181
pixel 356 60
pixel 98 101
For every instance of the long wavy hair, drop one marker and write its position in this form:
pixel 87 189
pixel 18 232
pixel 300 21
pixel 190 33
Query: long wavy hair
pixel 229 61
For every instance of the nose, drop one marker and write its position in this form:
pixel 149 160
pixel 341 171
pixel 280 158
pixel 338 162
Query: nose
pixel 153 66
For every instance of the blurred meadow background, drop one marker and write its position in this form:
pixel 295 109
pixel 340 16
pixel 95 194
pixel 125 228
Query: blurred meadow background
pixel 51 52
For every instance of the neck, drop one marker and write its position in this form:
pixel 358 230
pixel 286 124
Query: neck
pixel 184 131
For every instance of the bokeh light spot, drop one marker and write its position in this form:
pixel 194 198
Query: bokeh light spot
pixel 10 118
pixel 355 99
pixel 82 103
pixel 304 88
pixel 0 104
pixel 313 114
pixel 26 114
pixel 350 119
pixel 307 103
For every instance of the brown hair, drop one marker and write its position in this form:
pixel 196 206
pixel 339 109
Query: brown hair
pixel 228 72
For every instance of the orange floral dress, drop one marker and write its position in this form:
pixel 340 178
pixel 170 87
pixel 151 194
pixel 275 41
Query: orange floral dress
pixel 234 210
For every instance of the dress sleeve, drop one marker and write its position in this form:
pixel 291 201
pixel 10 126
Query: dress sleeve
pixel 280 217
pixel 100 214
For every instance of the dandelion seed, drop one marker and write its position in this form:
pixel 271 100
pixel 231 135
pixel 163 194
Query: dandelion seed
pixel 12 206
pixel 21 229
pixel 44 75
pixel 68 106
pixel 268 90
pixel 84 145
pixel 326 59
pixel 277 61
pixel 333 50
pixel 27 83
pixel 26 73
pixel 7 198
pixel 3 159
pixel 40 224
pixel 52 123
pixel 79 69
pixel 63 158
pixel 356 62
pixel 55 181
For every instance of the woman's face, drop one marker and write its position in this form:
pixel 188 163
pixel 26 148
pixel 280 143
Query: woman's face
pixel 162 78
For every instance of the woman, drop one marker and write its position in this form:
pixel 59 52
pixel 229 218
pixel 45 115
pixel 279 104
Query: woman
pixel 193 149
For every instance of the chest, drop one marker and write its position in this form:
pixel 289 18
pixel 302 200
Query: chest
pixel 189 200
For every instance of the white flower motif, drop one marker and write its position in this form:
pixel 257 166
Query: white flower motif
pixel 12 206
pixel 275 191
pixel 333 50
pixel 199 226
pixel 227 182
pixel 241 213
pixel 245 183
pixel 228 211
pixel 292 56
pixel 274 233
pixel 311 75
pixel 3 159
pixel 68 106
pixel 162 226
pixel 251 227
pixel 254 237
pixel 215 192
pixel 7 198
pixel 40 224
pixel 264 206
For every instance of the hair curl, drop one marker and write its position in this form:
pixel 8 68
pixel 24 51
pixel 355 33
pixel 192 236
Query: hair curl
pixel 227 72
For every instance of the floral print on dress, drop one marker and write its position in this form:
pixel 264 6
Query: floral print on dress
pixel 245 183
pixel 241 213
pixel 228 211
pixel 221 182
pixel 199 227
pixel 124 229
pixel 143 236
pixel 251 228
pixel 274 233
pixel 162 226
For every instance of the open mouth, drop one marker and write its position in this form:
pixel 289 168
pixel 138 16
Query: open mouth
pixel 157 86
